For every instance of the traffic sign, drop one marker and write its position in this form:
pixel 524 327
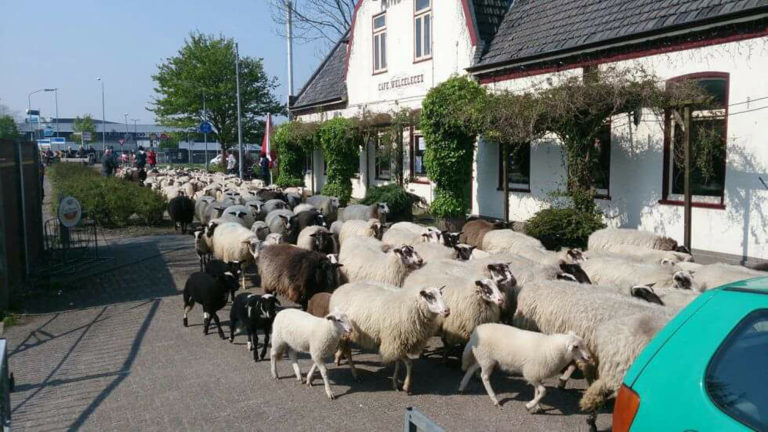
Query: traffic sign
pixel 121 141
pixel 206 127
pixel 86 136
pixel 60 140
pixel 70 211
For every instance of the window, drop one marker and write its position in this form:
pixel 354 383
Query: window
pixel 383 159
pixel 518 168
pixel 379 43
pixel 735 379
pixel 708 143
pixel 422 29
pixel 418 168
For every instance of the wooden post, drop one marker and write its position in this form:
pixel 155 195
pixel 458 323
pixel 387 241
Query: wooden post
pixel 505 179
pixel 687 179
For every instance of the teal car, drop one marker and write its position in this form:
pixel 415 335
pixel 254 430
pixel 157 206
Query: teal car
pixel 707 370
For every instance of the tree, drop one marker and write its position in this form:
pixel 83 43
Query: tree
pixel 84 124
pixel 205 66
pixel 326 20
pixel 8 128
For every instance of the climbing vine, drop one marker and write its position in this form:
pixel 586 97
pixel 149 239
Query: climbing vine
pixel 292 141
pixel 340 141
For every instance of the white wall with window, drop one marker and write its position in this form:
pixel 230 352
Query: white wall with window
pixel 422 30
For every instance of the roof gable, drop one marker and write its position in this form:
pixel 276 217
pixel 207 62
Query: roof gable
pixel 328 83
pixel 488 15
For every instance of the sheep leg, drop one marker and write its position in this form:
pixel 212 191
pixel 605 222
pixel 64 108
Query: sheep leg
pixel 311 374
pixel 394 376
pixel 566 375
pixel 294 363
pixel 324 374
pixel 538 393
pixel 467 376
pixel 264 348
pixel 218 326
pixel 254 345
pixel 206 322
pixel 232 325
pixel 242 278
pixel 485 375
pixel 187 308
pixel 347 351
pixel 273 355
pixel 408 371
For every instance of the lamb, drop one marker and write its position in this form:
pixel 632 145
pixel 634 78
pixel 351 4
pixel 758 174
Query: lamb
pixel 624 273
pixel 303 207
pixel 327 204
pixel 369 259
pixel 397 322
pixel 473 302
pixel 254 312
pixel 282 222
pixel 357 228
pixel 365 212
pixel 475 230
pixel 714 275
pixel 410 234
pixel 203 247
pixel 536 356
pixel 275 204
pixel 211 292
pixel 261 229
pixel 232 243
pixel 296 273
pixel 318 239
pixel 608 237
pixel 299 331
pixel 181 209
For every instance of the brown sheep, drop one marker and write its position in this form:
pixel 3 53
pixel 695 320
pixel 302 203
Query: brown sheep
pixel 318 304
pixel 474 231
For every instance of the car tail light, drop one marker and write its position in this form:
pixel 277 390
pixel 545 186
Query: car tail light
pixel 627 404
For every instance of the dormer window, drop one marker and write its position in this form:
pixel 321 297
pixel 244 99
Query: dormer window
pixel 379 43
pixel 422 33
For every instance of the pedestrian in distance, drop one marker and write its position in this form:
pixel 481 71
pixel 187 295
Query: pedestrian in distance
pixel 141 158
pixel 264 164
pixel 231 164
pixel 108 164
pixel 152 158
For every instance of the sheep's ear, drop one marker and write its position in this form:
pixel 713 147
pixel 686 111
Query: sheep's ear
pixel 398 251
pixel 650 285
pixel 248 242
pixel 277 302
pixel 313 235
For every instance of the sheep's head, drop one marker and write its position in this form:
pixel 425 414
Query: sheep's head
pixel 451 239
pixel 666 243
pixel 502 275
pixel 254 246
pixel 408 256
pixel 376 228
pixel 327 275
pixel 431 236
pixel 489 291
pixel 575 255
pixel 645 292
pixel 319 220
pixel 333 258
pixel 464 251
pixel 229 280
pixel 334 201
pixel 683 280
pixel 322 241
pixel 273 239
pixel 682 249
pixel 577 349
pixel 340 320
pixel 286 222
pixel 211 228
pixel 255 207
pixel 382 208
pixel 219 208
pixel 433 297
pixel 265 306
pixel 575 271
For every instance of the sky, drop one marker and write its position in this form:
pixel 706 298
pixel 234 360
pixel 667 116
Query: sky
pixel 68 44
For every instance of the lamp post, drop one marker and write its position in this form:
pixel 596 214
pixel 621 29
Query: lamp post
pixel 289 35
pixel 29 108
pixel 103 117
pixel 125 115
pixel 239 124
pixel 56 98
pixel 135 134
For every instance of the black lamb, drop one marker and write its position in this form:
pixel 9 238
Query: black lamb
pixel 308 218
pixel 253 312
pixel 211 292
pixel 181 209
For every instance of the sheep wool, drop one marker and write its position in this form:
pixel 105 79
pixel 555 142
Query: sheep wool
pixel 365 258
pixel 714 275
pixel 359 228
pixel 606 237
pixel 625 273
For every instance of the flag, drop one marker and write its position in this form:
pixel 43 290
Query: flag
pixel 266 143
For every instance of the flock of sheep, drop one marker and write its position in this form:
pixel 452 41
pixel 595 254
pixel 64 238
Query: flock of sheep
pixel 496 295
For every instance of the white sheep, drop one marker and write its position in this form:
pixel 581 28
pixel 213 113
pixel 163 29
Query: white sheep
pixel 303 207
pixel 536 356
pixel 297 331
pixel 435 252
pixel 279 221
pixel 606 238
pixel 640 254
pixel 233 243
pixel 673 298
pixel 626 273
pixel 359 228
pixel 364 212
pixel 714 275
pixel 397 322
pixel 410 233
pixel 365 258
pixel 201 208
pixel 328 205
pixel 506 240
pixel 239 214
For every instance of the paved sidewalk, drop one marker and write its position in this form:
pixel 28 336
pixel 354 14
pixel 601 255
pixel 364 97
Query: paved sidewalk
pixel 109 353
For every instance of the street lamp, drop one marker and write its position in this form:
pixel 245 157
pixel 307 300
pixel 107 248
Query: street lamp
pixel 29 108
pixel 103 117
pixel 126 127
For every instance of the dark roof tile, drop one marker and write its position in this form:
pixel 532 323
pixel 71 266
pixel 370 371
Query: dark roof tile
pixel 328 82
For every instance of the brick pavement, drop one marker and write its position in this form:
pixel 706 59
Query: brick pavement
pixel 109 353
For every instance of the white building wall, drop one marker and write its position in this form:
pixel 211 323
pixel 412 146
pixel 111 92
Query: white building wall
pixel 637 159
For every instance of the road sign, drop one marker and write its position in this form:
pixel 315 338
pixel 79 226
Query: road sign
pixel 44 141
pixel 86 136
pixel 59 140
pixel 206 127
pixel 70 211
pixel 48 132
pixel 121 141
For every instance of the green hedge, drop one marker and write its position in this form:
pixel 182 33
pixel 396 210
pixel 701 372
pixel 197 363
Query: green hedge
pixel 109 201
pixel 399 201
pixel 563 227
pixel 341 150
pixel 288 143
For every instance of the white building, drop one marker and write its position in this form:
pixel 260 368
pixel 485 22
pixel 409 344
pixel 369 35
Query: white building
pixel 397 50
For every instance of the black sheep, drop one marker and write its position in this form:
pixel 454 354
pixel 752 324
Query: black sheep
pixel 268 194
pixel 324 242
pixel 450 239
pixel 253 312
pixel 211 292
pixel 181 209
pixel 217 268
pixel 308 218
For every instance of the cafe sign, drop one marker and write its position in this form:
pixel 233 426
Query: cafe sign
pixel 396 83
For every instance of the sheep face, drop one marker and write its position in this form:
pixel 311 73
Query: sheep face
pixel 209 230
pixel 431 237
pixel 383 208
pixel 377 229
pixel 410 258
pixel 327 275
pixel 265 306
pixel 683 280
pixel 334 203
pixel 433 297
pixel 319 220
pixel 322 240
pixel 502 275
pixel 575 271
pixel 254 247
pixel 464 251
pixel 333 258
pixel 273 239
pixel 341 321
pixel 645 292
pixel 577 348
pixel 255 207
pixel 575 255
pixel 489 291
pixel 451 239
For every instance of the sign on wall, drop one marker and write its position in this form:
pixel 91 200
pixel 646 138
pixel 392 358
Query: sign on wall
pixel 396 83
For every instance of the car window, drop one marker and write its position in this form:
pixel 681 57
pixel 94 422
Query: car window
pixel 737 376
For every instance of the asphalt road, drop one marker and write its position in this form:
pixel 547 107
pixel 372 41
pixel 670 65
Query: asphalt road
pixel 108 352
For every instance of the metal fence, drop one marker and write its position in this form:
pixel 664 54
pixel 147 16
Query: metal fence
pixel 69 249
pixel 418 422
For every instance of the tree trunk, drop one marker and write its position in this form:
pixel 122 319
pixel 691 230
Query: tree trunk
pixel 505 179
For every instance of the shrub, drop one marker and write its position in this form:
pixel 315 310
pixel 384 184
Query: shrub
pixel 109 201
pixel 288 140
pixel 400 201
pixel 449 121
pixel 341 150
pixel 563 227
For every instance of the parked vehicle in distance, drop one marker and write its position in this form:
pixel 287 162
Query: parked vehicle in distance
pixel 706 370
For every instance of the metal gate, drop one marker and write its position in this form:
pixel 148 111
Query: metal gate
pixel 68 250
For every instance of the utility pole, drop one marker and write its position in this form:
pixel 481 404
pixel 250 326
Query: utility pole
pixel 239 123
pixel 103 118
pixel 56 98
pixel 205 134
pixel 289 33
pixel 125 115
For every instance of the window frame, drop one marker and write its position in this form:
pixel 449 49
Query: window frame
pixel 666 196
pixel 376 170
pixel 419 15
pixel 417 177
pixel 513 187
pixel 377 32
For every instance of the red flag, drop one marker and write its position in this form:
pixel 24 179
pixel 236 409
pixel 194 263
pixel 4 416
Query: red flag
pixel 266 143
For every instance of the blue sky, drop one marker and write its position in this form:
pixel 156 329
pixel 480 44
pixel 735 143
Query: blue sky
pixel 69 43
